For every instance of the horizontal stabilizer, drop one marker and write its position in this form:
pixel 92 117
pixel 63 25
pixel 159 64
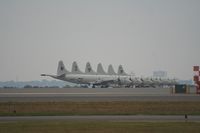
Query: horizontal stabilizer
pixel 100 69
pixel 43 75
pixel 111 70
pixel 53 76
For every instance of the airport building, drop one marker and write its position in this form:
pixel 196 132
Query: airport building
pixel 160 74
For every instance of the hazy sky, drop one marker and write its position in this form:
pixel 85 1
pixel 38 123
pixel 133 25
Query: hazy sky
pixel 142 35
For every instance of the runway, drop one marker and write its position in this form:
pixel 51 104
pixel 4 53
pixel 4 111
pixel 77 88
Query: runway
pixel 123 118
pixel 93 94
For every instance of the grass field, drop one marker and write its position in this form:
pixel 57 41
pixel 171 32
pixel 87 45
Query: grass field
pixel 99 108
pixel 97 127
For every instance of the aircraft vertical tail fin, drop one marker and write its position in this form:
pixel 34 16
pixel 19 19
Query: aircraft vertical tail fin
pixel 75 68
pixel 100 69
pixel 121 70
pixel 111 70
pixel 88 69
pixel 61 69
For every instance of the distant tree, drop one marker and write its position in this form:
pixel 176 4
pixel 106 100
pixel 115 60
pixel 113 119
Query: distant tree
pixel 35 86
pixel 8 87
pixel 54 87
pixel 67 86
pixel 28 86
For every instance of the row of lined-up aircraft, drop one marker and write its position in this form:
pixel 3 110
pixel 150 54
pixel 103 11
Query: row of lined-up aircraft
pixel 102 79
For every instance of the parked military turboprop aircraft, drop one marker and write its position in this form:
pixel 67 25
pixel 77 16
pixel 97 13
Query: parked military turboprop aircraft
pixel 101 78
pixel 90 77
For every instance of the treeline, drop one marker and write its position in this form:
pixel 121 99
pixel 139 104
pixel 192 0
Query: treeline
pixel 34 84
pixel 30 86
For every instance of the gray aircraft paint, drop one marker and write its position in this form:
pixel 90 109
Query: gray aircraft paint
pixel 111 70
pixel 88 69
pixel 61 69
pixel 100 69
pixel 75 68
pixel 121 70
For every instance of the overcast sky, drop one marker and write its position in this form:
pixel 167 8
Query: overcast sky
pixel 142 35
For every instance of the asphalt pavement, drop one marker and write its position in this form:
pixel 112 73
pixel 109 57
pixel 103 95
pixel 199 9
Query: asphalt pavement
pixel 93 94
pixel 124 118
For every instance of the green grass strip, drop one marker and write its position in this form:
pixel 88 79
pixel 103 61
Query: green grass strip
pixel 97 127
pixel 99 108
